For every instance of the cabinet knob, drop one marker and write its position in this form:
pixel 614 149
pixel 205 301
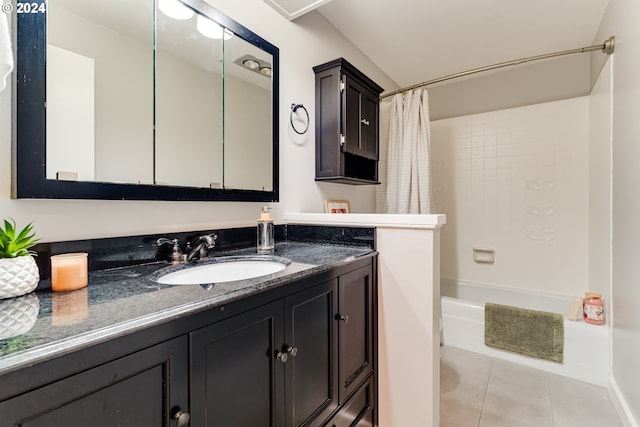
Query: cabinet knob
pixel 345 319
pixel 293 351
pixel 282 357
pixel 182 418
pixel 365 122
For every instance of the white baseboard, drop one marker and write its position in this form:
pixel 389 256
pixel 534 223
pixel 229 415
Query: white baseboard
pixel 621 404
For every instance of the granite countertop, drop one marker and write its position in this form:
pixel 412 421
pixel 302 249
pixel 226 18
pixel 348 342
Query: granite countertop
pixel 119 301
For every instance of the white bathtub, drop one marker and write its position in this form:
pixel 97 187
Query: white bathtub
pixel 586 346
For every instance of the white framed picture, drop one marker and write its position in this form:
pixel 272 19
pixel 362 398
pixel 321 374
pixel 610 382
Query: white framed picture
pixel 337 206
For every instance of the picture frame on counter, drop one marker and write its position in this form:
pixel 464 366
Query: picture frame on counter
pixel 337 206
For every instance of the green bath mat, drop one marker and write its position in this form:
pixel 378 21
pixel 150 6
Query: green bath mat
pixel 533 333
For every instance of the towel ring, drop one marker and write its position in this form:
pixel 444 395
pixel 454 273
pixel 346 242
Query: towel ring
pixel 294 108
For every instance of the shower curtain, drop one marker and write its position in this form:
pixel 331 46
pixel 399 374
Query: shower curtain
pixel 406 168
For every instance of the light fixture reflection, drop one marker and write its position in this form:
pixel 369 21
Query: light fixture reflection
pixel 265 71
pixel 175 9
pixel 251 64
pixel 211 29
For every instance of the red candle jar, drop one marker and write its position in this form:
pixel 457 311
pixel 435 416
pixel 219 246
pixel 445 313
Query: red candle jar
pixel 593 308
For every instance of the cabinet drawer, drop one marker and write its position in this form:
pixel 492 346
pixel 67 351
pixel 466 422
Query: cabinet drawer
pixel 358 411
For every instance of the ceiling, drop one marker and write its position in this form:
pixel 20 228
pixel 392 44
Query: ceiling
pixel 418 40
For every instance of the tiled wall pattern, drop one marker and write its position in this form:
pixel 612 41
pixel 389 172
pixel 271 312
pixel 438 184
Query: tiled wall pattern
pixel 516 181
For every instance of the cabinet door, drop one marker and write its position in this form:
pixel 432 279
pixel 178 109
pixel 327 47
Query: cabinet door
pixel 310 372
pixel 355 330
pixel 369 125
pixel 360 121
pixel 143 389
pixel 236 378
pixel 328 128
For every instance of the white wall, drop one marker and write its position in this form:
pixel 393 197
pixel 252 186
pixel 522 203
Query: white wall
pixel 247 147
pixel 516 181
pixel 308 41
pixel 621 20
pixel 123 94
pixel 188 149
pixel 70 114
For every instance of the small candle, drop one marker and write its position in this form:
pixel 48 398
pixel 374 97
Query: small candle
pixel 68 271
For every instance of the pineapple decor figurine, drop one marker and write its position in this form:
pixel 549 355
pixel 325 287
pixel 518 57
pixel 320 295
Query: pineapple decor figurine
pixel 18 270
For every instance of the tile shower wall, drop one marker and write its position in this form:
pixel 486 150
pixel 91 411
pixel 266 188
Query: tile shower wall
pixel 516 181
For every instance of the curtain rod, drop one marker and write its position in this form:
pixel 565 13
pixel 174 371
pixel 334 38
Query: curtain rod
pixel 607 47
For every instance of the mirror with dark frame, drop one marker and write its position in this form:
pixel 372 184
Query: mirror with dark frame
pixel 135 100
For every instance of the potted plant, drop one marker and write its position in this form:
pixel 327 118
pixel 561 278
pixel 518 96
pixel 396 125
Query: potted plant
pixel 18 270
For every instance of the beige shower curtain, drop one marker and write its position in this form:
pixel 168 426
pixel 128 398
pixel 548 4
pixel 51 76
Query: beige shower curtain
pixel 405 165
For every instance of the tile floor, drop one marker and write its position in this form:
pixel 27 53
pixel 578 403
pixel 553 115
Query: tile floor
pixel 480 391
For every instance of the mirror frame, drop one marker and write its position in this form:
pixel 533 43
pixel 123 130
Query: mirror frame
pixel 29 126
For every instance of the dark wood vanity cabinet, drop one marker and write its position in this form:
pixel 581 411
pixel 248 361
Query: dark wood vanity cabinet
pixel 235 378
pixel 146 388
pixel 299 355
pixel 271 366
pixel 289 363
pixel 347 124
pixel 311 392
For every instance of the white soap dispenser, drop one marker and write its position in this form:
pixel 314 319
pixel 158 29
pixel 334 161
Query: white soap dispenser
pixel 266 239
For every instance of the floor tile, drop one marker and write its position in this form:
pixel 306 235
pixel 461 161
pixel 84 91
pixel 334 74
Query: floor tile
pixel 476 390
pixel 576 403
pixel 463 381
pixel 516 396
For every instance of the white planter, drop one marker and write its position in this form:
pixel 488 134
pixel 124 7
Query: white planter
pixel 18 276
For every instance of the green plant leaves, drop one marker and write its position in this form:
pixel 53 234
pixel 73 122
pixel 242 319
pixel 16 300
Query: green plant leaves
pixel 13 243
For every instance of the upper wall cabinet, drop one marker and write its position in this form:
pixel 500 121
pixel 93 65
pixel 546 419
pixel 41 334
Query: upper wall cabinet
pixel 347 113
pixel 143 99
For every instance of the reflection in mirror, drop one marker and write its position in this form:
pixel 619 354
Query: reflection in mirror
pixel 247 116
pixel 118 100
pixel 99 91
pixel 188 100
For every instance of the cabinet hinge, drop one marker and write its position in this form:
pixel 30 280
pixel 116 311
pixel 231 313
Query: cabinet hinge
pixel 342 85
pixel 342 140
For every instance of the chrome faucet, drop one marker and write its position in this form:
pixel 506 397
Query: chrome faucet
pixel 202 246
pixel 176 253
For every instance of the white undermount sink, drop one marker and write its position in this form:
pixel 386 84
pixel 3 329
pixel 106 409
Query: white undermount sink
pixel 227 270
